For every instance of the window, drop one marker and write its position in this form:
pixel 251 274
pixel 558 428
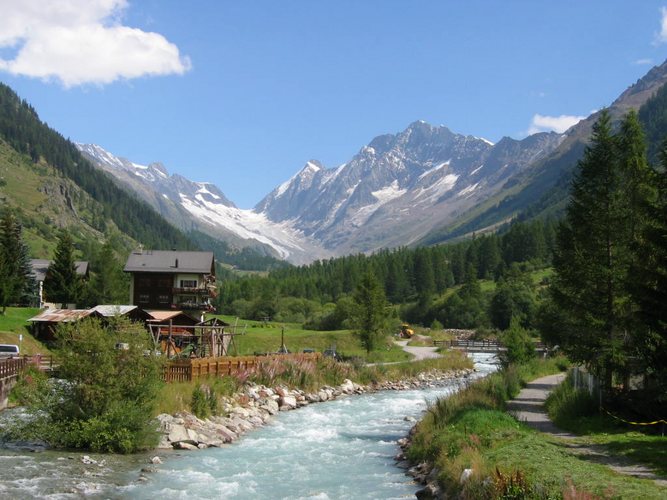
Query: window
pixel 188 283
pixel 163 299
pixel 144 298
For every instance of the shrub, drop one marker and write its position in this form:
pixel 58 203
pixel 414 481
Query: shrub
pixel 519 343
pixel 566 404
pixel 108 396
pixel 199 404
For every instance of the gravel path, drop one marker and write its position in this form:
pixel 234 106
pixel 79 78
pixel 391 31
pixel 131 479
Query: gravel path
pixel 528 407
pixel 419 353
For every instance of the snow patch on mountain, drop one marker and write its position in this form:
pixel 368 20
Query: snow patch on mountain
pixel 433 192
pixel 383 196
pixel 467 191
pixel 435 169
pixel 246 224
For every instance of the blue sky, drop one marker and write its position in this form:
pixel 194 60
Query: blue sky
pixel 243 93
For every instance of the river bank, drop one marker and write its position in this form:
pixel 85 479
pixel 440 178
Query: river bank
pixel 295 454
pixel 256 404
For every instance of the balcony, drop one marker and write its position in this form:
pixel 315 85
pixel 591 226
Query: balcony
pixel 200 291
pixel 193 306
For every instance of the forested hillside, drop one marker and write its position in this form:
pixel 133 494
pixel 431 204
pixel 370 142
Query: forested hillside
pixel 22 130
pixel 431 283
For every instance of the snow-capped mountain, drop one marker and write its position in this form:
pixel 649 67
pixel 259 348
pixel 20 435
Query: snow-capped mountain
pixel 203 206
pixel 399 187
pixel 393 192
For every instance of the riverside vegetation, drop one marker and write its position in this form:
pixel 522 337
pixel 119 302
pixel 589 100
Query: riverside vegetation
pixel 108 398
pixel 470 447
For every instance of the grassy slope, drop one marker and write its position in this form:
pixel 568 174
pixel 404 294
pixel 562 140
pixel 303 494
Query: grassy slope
pixel 13 323
pixel 41 199
pixel 472 430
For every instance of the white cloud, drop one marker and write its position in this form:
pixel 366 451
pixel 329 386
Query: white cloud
pixel 662 36
pixel 560 124
pixel 643 62
pixel 82 41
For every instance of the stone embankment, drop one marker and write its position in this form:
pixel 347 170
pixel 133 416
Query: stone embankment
pixel 256 404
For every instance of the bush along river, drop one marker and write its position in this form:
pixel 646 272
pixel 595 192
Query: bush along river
pixel 337 449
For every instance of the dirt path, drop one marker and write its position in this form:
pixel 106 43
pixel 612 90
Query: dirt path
pixel 419 353
pixel 528 407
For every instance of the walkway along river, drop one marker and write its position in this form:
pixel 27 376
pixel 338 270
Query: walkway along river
pixel 338 449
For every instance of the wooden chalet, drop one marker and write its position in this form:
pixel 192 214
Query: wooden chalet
pixel 172 280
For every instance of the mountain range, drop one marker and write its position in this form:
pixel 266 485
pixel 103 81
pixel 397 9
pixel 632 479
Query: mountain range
pixel 423 185
pixel 420 186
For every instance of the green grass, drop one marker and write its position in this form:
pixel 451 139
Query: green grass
pixel 14 323
pixel 577 412
pixel 470 429
pixel 15 319
pixel 261 337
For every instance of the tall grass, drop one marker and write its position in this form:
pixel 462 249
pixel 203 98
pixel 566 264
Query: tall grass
pixel 307 375
pixel 566 405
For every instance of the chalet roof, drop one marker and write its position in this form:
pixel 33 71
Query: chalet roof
pixel 176 316
pixel 60 315
pixel 163 261
pixel 112 310
pixel 41 266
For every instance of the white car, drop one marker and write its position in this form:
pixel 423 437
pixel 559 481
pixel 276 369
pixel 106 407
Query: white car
pixel 9 350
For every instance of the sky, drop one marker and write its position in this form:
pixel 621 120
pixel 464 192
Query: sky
pixel 243 93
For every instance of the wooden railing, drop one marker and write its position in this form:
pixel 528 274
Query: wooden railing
pixel 482 345
pixel 469 344
pixel 185 370
pixel 11 367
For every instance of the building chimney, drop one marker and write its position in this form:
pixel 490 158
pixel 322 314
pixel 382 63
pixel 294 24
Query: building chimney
pixel 176 264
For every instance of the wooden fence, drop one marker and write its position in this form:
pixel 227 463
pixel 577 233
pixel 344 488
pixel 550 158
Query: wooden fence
pixel 185 370
pixel 11 367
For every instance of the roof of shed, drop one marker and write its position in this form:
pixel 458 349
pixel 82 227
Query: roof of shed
pixel 112 310
pixel 60 315
pixel 160 261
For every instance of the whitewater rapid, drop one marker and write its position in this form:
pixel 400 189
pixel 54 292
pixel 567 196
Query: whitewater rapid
pixel 338 449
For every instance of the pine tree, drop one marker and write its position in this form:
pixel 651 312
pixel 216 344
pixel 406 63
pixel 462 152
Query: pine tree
pixel 649 286
pixel 595 249
pixel 108 284
pixel 369 312
pixel 15 271
pixel 62 283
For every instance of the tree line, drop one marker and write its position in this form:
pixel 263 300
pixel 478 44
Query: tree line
pixel 62 284
pixel 410 278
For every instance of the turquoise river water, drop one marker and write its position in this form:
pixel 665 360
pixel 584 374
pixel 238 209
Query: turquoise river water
pixel 338 449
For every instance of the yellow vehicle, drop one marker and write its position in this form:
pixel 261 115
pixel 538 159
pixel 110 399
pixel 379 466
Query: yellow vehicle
pixel 406 332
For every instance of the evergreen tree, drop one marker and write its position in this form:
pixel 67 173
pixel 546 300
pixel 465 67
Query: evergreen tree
pixel 649 286
pixel 62 284
pixel 15 270
pixel 108 285
pixel 369 316
pixel 424 276
pixel 595 249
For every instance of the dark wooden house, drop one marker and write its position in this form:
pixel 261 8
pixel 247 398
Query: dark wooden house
pixel 172 280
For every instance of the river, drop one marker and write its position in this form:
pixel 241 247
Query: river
pixel 338 449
